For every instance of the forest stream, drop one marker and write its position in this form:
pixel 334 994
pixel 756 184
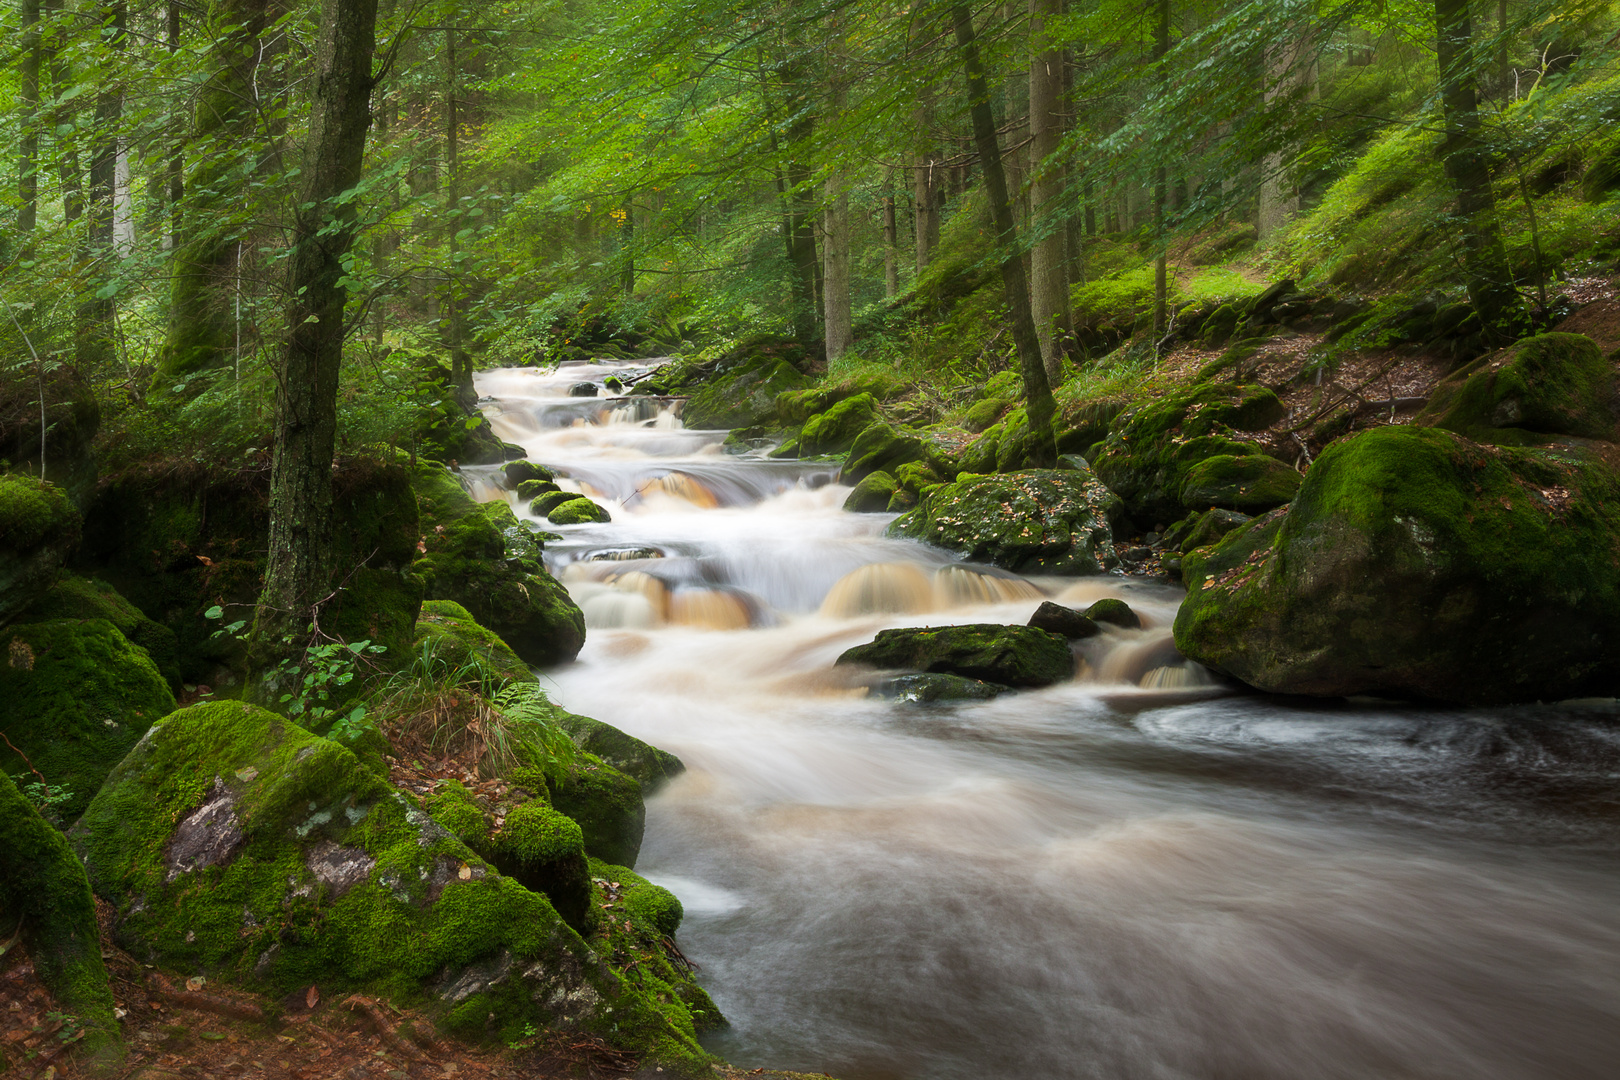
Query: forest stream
pixel 1094 879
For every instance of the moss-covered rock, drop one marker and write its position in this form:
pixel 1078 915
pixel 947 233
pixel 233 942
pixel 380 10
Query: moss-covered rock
pixel 42 883
pixel 930 687
pixel 872 495
pixel 80 598
pixel 530 489
pixel 1251 483
pixel 880 447
pixel 1148 455
pixel 1040 521
pixel 834 431
pixel 178 538
pixel 637 920
pixel 1200 530
pixel 517 472
pixel 39 530
pixel 459 641
pixel 480 556
pixel 77 696
pixel 544 850
pixel 1418 563
pixel 579 510
pixel 1551 384
pixel 446 427
pixel 235 844
pixel 1059 619
pixel 544 503
pixel 648 765
pixel 608 806
pixel 743 393
pixel 1009 655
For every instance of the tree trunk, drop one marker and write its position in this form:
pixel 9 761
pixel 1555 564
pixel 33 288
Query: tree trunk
pixel 927 181
pixel 67 155
pixel 891 240
pixel 176 170
pixel 202 323
pixel 1490 286
pixel 1037 391
pixel 27 123
pixel 1279 195
pixel 298 569
pixel 802 229
pixel 1049 262
pixel 627 248
pixel 460 360
pixel 95 333
pixel 837 313
pixel 1161 315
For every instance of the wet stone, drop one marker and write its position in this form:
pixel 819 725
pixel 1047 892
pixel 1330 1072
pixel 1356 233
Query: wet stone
pixel 1063 620
pixel 934 687
pixel 582 389
pixel 209 836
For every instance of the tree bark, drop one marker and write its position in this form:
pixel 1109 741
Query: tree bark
pixel 460 360
pixel 1161 290
pixel 95 331
pixel 801 213
pixel 176 168
pixel 927 183
pixel 891 240
pixel 1037 391
pixel 298 569
pixel 27 122
pixel 1049 262
pixel 1490 286
pixel 202 325
pixel 837 313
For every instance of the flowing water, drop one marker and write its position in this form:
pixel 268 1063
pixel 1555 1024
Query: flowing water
pixel 1136 874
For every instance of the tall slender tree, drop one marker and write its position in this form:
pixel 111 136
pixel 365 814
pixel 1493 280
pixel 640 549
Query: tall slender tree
pixel 1049 263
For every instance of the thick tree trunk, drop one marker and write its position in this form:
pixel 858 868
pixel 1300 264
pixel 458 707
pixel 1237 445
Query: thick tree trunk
pixel 1049 261
pixel 95 334
pixel 28 122
pixel 69 178
pixel 1490 286
pixel 298 570
pixel 802 234
pixel 202 318
pixel 837 312
pixel 1037 391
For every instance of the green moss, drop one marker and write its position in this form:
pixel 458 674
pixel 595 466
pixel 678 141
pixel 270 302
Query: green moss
pixel 39 529
pixel 1038 521
pixel 42 882
pixel 880 448
pixel 1113 611
pixel 579 510
pixel 458 640
pixel 80 598
pixel 872 495
pixel 646 764
pixel 452 806
pixel 981 414
pixel 535 833
pixel 78 696
pixel 608 806
pixel 1551 384
pixel 544 503
pixel 834 431
pixel 481 557
pixel 1413 561
pixel 530 489
pixel 1006 655
pixel 1251 483
pixel 517 472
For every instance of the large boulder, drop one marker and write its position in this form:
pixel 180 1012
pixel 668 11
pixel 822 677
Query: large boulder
pixel 39 530
pixel 1551 384
pixel 742 393
pixel 881 447
pixel 177 538
pixel 646 764
pixel 74 597
pixel 43 885
pixel 233 843
pixel 1152 450
pixel 834 431
pixel 1248 483
pixel 1019 656
pixel 483 558
pixel 1416 562
pixel 1042 521
pixel 77 697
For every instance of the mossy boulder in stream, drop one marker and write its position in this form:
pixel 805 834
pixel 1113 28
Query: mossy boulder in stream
pixel 77 696
pixel 1042 521
pixel 608 806
pixel 646 764
pixel 1415 562
pixel 872 495
pixel 579 510
pixel 39 530
pixel 1152 451
pixel 1019 656
pixel 1551 384
pixel 742 389
pixel 236 844
pixel 834 431
pixel 480 556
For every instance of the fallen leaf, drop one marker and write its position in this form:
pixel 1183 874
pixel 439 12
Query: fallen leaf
pixel 312 997
pixel 195 983
pixel 465 873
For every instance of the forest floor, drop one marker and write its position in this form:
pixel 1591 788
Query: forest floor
pixel 196 1031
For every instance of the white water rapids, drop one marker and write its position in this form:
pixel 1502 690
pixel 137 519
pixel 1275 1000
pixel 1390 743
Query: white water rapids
pixel 1091 880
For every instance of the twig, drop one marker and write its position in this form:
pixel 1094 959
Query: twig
pixel 43 782
pixel 385 1029
pixel 198 1001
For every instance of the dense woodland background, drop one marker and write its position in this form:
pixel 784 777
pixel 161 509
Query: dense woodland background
pixel 543 181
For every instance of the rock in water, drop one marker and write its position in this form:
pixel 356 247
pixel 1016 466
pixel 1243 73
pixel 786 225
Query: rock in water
pixel 456 638
pixel 1063 620
pixel 1115 612
pixel 1415 562
pixel 582 389
pixel 932 686
pixel 39 529
pixel 989 652
pixel 1043 521
pixel 578 510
